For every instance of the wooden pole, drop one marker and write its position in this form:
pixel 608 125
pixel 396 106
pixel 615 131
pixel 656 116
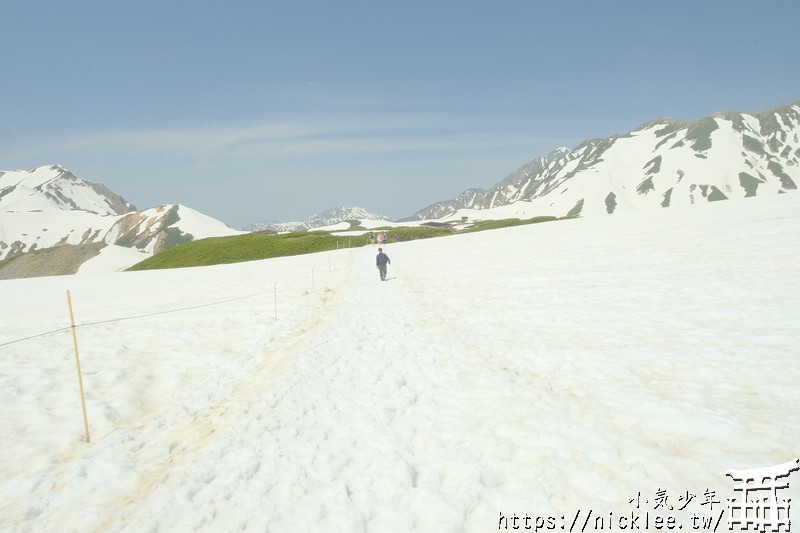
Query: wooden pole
pixel 78 366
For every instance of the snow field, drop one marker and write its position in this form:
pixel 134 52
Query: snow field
pixel 140 375
pixel 538 369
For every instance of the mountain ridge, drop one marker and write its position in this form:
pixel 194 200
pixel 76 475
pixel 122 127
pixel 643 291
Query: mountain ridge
pixel 48 207
pixel 329 217
pixel 663 162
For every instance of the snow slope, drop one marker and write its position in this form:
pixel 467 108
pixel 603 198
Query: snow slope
pixel 663 163
pixel 54 187
pixel 113 258
pixel 547 370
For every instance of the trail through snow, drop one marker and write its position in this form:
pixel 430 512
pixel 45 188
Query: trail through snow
pixel 365 420
pixel 540 370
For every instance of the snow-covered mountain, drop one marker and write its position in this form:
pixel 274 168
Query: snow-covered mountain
pixel 499 194
pixel 49 206
pixel 662 163
pixel 329 217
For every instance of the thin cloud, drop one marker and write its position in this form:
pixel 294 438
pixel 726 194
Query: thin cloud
pixel 351 135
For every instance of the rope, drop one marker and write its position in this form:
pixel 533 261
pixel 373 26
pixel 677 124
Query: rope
pixel 145 315
pixel 34 336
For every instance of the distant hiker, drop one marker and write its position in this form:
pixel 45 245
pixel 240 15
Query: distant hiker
pixel 371 237
pixel 381 261
pixel 395 237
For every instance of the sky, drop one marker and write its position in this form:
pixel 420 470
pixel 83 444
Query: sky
pixel 264 110
pixel 304 394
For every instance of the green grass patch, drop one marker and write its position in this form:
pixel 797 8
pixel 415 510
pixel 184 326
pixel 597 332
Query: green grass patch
pixel 236 249
pixel 484 225
pixel 420 232
pixel 355 225
pixel 263 245
pixel 403 234
pixel 7 260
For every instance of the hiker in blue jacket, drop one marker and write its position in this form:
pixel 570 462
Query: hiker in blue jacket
pixel 381 261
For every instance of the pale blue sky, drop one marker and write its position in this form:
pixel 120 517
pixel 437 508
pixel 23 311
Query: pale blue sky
pixel 253 110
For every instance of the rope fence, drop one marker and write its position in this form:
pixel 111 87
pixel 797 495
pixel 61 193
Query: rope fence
pixel 274 289
pixel 74 327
